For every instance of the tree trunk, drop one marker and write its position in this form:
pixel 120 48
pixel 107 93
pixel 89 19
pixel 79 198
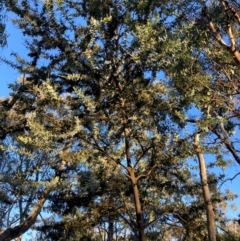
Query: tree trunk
pixel 206 190
pixel 138 208
pixel 137 203
pixel 110 228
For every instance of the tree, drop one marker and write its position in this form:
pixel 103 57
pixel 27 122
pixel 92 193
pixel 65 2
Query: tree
pixel 105 95
pixel 213 30
pixel 42 165
pixel 206 190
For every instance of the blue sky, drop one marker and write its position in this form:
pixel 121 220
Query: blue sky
pixel 9 75
pixel 15 44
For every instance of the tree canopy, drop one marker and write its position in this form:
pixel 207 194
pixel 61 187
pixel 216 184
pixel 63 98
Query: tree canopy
pixel 106 131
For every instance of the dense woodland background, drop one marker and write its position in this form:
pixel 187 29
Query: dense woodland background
pixel 117 107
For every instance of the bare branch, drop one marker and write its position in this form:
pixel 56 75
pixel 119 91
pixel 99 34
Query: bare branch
pixel 230 179
pixel 225 139
pixel 218 35
pixel 226 5
pixel 220 40
pixel 145 175
pixel 231 37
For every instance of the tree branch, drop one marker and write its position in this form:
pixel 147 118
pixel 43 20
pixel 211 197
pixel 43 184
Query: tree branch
pixel 11 233
pixel 227 142
pixel 227 6
pixel 230 179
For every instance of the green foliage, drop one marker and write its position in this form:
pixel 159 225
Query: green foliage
pixel 103 106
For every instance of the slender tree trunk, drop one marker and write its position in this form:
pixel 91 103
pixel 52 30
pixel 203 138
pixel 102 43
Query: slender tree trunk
pixel 110 228
pixel 137 203
pixel 138 208
pixel 206 190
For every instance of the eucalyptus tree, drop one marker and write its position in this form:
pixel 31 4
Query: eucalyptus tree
pixel 214 34
pixel 213 39
pixel 224 61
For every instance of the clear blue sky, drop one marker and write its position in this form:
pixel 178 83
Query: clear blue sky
pixel 9 75
pixel 15 44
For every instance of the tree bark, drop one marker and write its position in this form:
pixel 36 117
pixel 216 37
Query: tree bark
pixel 138 208
pixel 206 190
pixel 137 203
pixel 110 228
